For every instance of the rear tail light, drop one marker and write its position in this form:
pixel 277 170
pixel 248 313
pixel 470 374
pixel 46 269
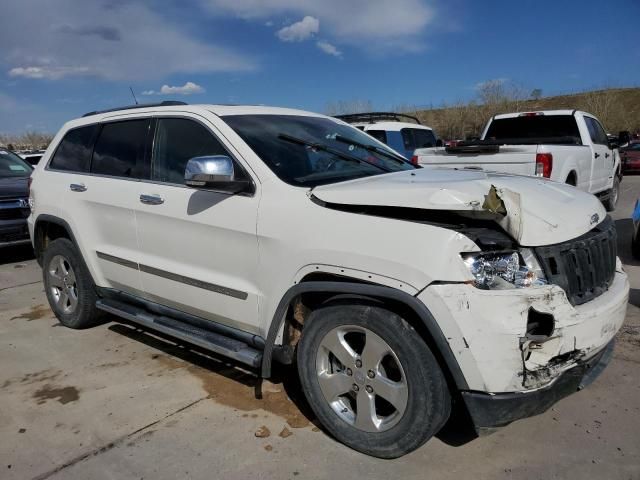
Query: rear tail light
pixel 544 165
pixel 414 160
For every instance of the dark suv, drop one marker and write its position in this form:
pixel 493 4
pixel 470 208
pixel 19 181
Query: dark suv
pixel 14 199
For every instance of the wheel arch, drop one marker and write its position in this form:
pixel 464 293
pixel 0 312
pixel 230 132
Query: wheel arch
pixel 408 306
pixel 47 228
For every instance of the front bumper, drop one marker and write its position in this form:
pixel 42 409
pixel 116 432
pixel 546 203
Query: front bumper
pixel 14 232
pixel 489 411
pixel 487 332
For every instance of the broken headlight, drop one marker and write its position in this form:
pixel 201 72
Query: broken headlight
pixel 503 270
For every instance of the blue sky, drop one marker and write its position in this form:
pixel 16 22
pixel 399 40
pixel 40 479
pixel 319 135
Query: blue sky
pixel 61 58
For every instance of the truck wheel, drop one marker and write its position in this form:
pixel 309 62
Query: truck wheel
pixel 371 380
pixel 612 199
pixel 68 285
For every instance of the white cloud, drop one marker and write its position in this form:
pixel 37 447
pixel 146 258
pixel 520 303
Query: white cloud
pixel 109 39
pixel 299 31
pixel 50 73
pixel 188 88
pixel 328 48
pixel 369 24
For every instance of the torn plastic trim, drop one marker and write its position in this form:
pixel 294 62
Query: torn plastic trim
pixel 483 227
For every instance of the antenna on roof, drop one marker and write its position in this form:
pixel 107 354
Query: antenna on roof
pixel 133 95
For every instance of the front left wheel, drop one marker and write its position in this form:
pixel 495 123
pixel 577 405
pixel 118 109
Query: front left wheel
pixel 371 380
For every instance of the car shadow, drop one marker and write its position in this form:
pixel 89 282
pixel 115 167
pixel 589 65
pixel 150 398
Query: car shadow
pixel 624 229
pixel 284 376
pixel 20 253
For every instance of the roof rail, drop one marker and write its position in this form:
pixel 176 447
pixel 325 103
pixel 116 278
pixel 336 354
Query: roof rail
pixel 166 103
pixel 371 117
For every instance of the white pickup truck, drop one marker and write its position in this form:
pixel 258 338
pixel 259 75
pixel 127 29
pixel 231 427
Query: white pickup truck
pixel 567 146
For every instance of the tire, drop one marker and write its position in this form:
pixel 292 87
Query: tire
pixel 635 244
pixel 68 285
pixel 612 199
pixel 408 374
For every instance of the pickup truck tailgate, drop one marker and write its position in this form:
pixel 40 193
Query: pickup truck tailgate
pixel 516 159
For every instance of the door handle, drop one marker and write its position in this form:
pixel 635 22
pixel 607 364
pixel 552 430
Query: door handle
pixel 78 187
pixel 596 155
pixel 151 199
pixel 606 155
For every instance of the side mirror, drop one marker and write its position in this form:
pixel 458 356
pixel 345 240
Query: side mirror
pixel 216 173
pixel 613 145
pixel 439 143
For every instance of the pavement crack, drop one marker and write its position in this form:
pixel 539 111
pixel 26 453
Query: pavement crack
pixel 18 286
pixel 115 443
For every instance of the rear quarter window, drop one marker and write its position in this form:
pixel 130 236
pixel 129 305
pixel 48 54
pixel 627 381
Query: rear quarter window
pixel 413 138
pixel 380 135
pixel 74 151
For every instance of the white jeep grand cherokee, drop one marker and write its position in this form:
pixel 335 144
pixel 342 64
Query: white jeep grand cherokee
pixel 267 234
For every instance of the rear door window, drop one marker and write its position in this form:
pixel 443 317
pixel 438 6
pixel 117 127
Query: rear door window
pixel 74 152
pixel 596 132
pixel 177 140
pixel 120 150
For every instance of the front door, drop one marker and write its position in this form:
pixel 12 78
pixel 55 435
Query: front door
pixel 198 248
pixel 602 155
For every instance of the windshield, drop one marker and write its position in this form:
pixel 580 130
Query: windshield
pixel 11 165
pixel 286 144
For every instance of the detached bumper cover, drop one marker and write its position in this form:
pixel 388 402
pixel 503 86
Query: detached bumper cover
pixel 490 411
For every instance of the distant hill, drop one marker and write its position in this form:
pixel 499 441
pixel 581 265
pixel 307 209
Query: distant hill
pixel 618 109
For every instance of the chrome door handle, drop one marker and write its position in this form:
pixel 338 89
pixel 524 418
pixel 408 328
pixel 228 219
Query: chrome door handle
pixel 78 187
pixel 151 199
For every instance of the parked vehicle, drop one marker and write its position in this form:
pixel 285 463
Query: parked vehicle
pixel 32 156
pixel 635 241
pixel 14 195
pixel 630 156
pixel 567 146
pixel 393 129
pixel 267 234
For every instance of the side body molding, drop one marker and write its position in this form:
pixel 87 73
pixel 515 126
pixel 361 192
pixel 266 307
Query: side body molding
pixel 374 292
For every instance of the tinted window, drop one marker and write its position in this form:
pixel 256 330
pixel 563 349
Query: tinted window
pixel 11 165
pixel 276 140
pixel 413 138
pixel 563 128
pixel 596 132
pixel 378 135
pixel 74 152
pixel 177 140
pixel 120 149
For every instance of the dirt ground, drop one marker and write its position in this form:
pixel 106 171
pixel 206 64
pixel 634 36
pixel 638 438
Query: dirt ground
pixel 114 402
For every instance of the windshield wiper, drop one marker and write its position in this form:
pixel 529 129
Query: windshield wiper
pixel 325 148
pixel 372 148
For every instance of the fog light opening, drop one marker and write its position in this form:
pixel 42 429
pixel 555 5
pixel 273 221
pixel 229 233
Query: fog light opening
pixel 539 324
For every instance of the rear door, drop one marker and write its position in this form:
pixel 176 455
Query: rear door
pixel 198 248
pixel 91 184
pixel 602 155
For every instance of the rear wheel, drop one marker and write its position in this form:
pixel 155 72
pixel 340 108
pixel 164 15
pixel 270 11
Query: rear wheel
pixel 68 285
pixel 612 199
pixel 371 379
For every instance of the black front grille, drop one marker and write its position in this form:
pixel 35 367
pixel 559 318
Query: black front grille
pixel 585 266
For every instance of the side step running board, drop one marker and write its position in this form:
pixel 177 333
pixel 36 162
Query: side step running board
pixel 206 339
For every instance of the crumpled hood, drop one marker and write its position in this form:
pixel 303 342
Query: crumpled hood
pixel 534 211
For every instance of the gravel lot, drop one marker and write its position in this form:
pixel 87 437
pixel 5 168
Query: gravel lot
pixel 114 402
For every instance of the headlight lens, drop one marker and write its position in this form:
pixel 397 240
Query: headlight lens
pixel 503 270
